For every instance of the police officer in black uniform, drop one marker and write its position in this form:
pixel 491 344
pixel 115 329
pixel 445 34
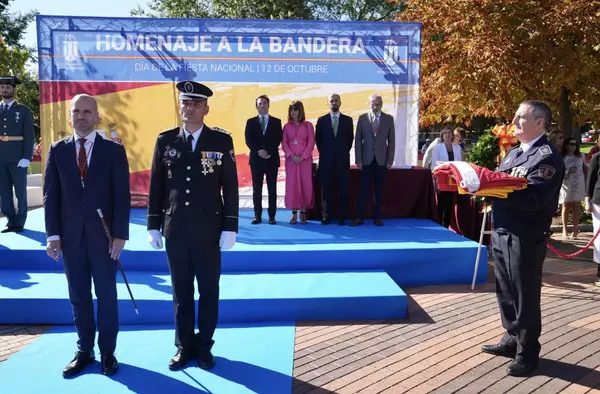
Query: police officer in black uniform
pixel 190 166
pixel 521 230
pixel 16 150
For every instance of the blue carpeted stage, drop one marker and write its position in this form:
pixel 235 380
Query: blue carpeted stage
pixel 274 273
pixel 249 359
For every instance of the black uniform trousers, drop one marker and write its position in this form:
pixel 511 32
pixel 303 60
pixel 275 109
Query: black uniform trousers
pixel 259 172
pixel 189 259
pixel 82 262
pixel 339 175
pixel 13 176
pixel 377 172
pixel 445 206
pixel 518 265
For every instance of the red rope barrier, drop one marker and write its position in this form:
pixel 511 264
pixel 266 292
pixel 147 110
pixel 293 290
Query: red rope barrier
pixel 575 254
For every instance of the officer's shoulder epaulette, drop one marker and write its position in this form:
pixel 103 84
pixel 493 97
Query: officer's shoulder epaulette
pixel 545 150
pixel 174 130
pixel 220 130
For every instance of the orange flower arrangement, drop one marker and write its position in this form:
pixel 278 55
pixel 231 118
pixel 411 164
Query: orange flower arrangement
pixel 506 138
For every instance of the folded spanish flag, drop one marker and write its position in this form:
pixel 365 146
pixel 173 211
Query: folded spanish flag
pixel 467 178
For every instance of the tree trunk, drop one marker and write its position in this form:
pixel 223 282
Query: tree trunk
pixel 565 117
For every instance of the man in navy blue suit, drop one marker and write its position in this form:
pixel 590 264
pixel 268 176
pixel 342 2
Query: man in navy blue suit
pixel 84 173
pixel 334 136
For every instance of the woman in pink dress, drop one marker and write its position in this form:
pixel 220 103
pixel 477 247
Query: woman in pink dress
pixel 298 145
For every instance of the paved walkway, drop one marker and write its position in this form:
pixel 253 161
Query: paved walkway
pixel 436 349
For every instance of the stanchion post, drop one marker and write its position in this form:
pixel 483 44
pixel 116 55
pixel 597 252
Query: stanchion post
pixel 481 235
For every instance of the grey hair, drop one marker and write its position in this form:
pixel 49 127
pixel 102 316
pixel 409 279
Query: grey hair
pixel 540 110
pixel 375 96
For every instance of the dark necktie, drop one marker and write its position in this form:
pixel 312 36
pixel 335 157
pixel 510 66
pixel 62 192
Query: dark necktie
pixel 82 159
pixel 190 138
pixel 4 109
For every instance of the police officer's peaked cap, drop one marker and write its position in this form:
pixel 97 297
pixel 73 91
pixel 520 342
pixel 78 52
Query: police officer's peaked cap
pixel 14 81
pixel 190 90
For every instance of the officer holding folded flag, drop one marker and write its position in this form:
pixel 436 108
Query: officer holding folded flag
pixel 16 151
pixel 521 230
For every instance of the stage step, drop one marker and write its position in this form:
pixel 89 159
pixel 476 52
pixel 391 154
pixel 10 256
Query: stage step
pixel 414 252
pixel 42 297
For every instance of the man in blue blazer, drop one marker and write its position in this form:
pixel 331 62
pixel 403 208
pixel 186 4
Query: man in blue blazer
pixel 84 173
pixel 334 136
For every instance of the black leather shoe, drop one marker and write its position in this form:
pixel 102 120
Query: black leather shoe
pixel 206 359
pixel 79 362
pixel 256 220
pixel 341 222
pixel 110 365
pixel 521 367
pixel 7 229
pixel 500 350
pixel 325 221
pixel 179 360
pixel 357 222
pixel 18 229
pixel 378 222
pixel 272 221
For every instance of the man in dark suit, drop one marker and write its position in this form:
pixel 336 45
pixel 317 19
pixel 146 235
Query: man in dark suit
pixel 84 173
pixel 334 136
pixel 374 148
pixel 521 231
pixel 194 200
pixel 16 151
pixel 263 137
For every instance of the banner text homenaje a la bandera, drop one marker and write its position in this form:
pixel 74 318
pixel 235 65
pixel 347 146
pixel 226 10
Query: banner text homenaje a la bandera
pixel 131 65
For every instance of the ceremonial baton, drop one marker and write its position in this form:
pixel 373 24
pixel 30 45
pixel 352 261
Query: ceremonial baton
pixel 110 239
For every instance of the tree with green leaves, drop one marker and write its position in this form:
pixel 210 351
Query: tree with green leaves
pixel 14 56
pixel 228 9
pixel 353 10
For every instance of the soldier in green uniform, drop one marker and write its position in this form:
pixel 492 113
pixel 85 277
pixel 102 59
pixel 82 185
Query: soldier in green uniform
pixel 16 151
pixel 194 200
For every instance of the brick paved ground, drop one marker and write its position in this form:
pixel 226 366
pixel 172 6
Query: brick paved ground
pixel 436 349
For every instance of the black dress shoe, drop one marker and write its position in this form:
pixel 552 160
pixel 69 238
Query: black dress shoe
pixel 109 364
pixel 325 221
pixel 205 358
pixel 79 362
pixel 378 222
pixel 7 229
pixel 500 350
pixel 521 367
pixel 356 222
pixel 256 220
pixel 18 229
pixel 341 222
pixel 179 360
pixel 272 221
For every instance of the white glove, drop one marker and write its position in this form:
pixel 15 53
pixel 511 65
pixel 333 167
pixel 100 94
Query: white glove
pixel 155 239
pixel 23 163
pixel 227 240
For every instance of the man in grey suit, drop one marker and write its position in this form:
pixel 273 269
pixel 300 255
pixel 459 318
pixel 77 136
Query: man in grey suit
pixel 374 147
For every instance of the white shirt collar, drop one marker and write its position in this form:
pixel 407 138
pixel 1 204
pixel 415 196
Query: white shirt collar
pixel 10 103
pixel 91 137
pixel 195 134
pixel 528 145
pixel 332 114
pixel 263 116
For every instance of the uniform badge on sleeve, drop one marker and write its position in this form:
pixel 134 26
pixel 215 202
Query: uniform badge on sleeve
pixel 232 154
pixel 545 150
pixel 546 171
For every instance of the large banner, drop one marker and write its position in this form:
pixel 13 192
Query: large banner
pixel 131 66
